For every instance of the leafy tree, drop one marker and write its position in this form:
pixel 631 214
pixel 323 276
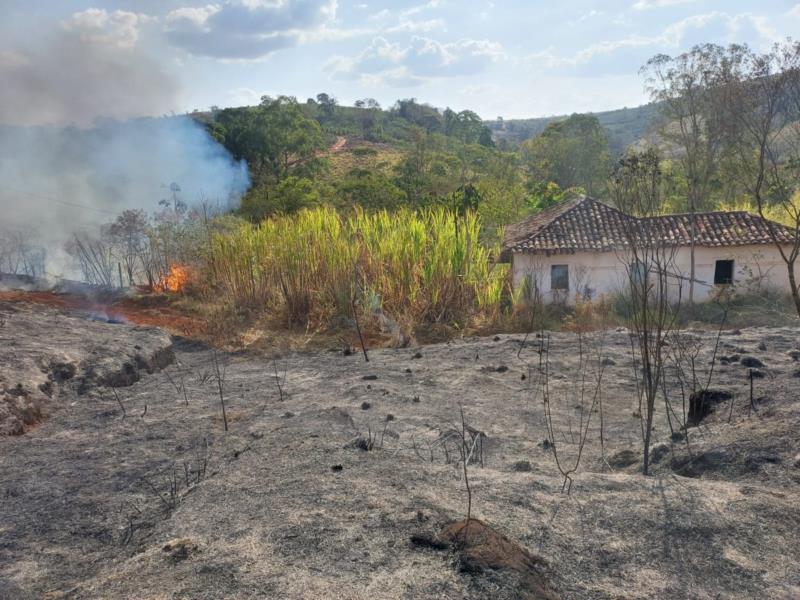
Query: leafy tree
pixel 369 117
pixel 760 102
pixel 485 137
pixel 276 139
pixel 427 174
pixel 571 153
pixel 543 195
pixel 422 115
pixel 290 195
pixel 685 90
pixel 327 104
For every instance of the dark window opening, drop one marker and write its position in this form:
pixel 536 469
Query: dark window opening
pixel 559 277
pixel 723 272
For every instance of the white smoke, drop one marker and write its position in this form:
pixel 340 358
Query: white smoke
pixel 71 154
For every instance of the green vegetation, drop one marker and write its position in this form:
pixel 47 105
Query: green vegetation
pixel 397 209
pixel 420 267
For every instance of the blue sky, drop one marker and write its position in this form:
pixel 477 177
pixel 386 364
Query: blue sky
pixel 514 58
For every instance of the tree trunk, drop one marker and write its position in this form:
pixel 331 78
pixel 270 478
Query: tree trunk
pixel 693 232
pixel 793 286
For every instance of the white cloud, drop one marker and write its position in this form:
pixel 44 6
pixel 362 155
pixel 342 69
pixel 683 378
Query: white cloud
pixel 246 29
pixel 647 4
pixel 96 25
pixel 411 26
pixel 794 11
pixel 422 60
pixel 421 7
pixel 676 36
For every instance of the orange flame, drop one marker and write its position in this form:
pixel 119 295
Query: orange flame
pixel 175 280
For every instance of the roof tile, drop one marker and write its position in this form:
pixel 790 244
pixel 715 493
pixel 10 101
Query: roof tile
pixel 584 223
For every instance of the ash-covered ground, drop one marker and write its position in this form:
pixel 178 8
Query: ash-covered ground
pixel 138 492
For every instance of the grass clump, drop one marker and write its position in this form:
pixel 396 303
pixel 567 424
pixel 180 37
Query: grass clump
pixel 309 268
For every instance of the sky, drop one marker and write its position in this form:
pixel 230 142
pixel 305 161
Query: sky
pixel 74 61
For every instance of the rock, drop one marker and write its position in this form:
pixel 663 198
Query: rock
pixel 179 549
pixel 366 406
pixel 678 436
pixel 751 362
pixel 623 459
pixel 658 452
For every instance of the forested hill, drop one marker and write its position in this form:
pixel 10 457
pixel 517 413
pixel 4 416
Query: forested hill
pixel 623 127
pixel 305 153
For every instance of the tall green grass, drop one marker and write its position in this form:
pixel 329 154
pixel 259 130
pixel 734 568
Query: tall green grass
pixel 420 266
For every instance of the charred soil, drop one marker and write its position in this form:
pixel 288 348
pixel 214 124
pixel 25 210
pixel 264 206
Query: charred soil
pixel 138 491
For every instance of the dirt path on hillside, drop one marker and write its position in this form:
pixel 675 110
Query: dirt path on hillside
pixel 162 503
pixel 338 145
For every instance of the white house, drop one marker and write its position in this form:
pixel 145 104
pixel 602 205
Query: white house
pixel 581 248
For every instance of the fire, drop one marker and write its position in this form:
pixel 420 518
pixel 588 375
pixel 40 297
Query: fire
pixel 175 280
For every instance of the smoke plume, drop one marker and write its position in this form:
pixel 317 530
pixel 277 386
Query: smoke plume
pixel 72 153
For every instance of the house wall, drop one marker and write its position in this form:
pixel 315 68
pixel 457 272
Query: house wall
pixel 605 273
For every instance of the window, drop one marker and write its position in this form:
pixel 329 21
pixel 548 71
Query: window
pixel 723 272
pixel 559 277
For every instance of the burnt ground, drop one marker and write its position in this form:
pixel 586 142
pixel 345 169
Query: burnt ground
pixel 160 502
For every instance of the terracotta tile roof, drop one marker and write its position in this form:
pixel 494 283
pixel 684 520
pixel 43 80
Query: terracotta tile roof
pixel 585 224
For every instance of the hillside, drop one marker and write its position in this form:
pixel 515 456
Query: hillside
pixel 623 126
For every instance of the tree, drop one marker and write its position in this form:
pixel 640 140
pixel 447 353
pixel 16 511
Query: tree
pixel 20 254
pixel 760 102
pixel 327 104
pixel 129 234
pixel 369 114
pixel 649 265
pixel 427 174
pixel 543 195
pixel 684 88
pixel 288 196
pixel 422 115
pixel 276 139
pixel 572 153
